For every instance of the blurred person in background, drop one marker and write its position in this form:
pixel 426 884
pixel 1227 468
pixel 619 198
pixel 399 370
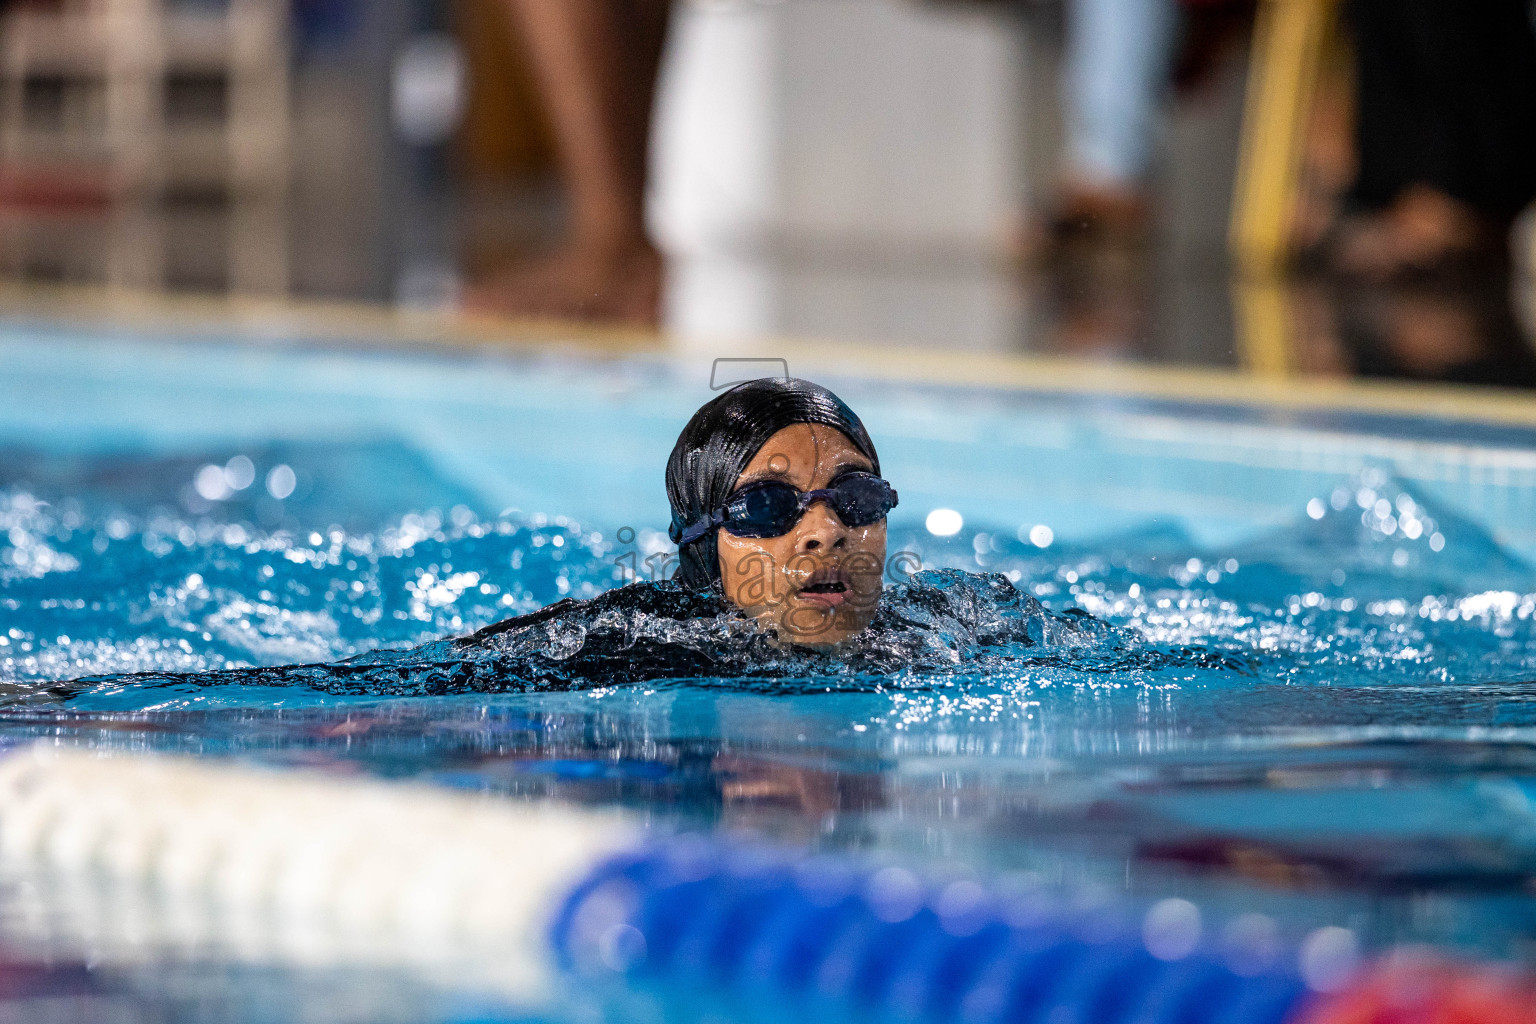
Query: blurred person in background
pixel 1122 59
pixel 1115 76
pixel 595 63
pixel 1445 132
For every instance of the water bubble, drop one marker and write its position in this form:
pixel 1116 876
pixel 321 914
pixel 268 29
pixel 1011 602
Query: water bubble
pixel 1328 958
pixel 210 483
pixel 281 481
pixel 894 894
pixel 944 522
pixel 239 473
pixel 1437 541
pixel 1041 536
pixel 1171 929
pixel 621 947
pixel 961 907
pixel 1252 943
pixel 1316 509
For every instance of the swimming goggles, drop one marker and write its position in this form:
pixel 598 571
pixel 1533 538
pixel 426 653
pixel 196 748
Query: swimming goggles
pixel 771 508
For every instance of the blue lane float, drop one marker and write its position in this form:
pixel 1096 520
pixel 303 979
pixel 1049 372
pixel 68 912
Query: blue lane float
pixel 753 922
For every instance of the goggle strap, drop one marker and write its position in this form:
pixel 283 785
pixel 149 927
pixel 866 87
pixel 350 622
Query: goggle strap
pixel 700 528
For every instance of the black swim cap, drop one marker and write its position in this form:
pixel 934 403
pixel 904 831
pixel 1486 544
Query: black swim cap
pixel 723 436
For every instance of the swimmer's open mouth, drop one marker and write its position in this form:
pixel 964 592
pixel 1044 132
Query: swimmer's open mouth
pixel 827 586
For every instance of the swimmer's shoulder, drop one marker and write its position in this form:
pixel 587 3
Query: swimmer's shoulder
pixel 664 598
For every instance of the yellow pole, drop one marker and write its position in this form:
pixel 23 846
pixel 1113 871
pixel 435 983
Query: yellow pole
pixel 1282 76
pixel 1288 42
pixel 1265 324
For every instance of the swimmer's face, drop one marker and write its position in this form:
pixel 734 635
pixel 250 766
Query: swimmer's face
pixel 818 584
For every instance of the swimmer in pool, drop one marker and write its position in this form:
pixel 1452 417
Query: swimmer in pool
pixel 778 512
pixel 778 506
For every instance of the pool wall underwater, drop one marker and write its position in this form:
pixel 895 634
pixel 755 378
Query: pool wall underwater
pixel 1309 744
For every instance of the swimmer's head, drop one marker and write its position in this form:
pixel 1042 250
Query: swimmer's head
pixel 735 482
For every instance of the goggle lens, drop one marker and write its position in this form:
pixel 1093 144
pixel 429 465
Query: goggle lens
pixel 772 508
pixel 862 500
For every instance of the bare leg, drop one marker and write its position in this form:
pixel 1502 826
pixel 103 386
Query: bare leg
pixel 596 64
pixel 1117 62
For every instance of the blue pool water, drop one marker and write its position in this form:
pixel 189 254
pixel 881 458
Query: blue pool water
pixel 1304 687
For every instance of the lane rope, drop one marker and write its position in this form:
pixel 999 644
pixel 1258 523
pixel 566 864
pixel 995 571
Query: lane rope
pixel 131 856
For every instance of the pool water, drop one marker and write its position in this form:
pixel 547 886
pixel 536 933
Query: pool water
pixel 1304 687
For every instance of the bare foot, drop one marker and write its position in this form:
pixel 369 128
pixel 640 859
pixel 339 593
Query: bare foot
pixel 1108 209
pixel 1087 217
pixel 603 283
pixel 1424 230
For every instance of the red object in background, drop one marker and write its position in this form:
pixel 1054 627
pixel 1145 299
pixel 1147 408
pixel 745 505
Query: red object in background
pixel 38 189
pixel 1420 989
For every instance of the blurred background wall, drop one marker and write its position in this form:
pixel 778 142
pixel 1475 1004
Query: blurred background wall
pixel 881 143
pixel 873 169
pixel 840 168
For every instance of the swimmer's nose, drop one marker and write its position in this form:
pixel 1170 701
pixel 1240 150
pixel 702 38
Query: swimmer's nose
pixel 820 529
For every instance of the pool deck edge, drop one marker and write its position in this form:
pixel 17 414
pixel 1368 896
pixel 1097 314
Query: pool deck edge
pixel 348 323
